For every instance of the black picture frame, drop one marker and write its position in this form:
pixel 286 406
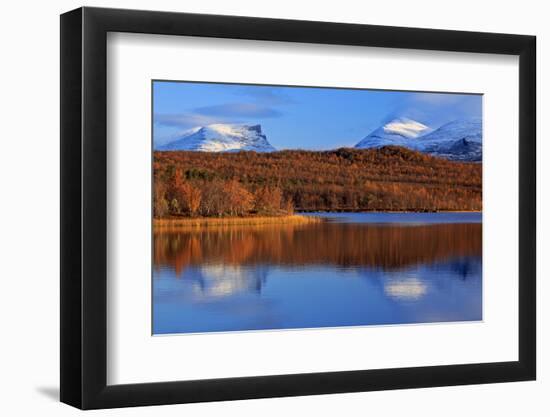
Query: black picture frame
pixel 84 207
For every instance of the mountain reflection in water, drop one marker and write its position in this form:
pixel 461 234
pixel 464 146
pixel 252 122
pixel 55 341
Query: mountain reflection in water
pixel 315 275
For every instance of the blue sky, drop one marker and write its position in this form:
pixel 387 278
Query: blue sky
pixel 299 117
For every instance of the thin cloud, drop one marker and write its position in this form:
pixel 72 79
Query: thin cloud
pixel 435 109
pixel 239 110
pixel 270 96
pixel 185 120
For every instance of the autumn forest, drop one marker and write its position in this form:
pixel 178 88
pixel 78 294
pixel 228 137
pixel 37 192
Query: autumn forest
pixel 205 184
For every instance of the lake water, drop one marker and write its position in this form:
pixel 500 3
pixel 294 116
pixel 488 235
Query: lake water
pixel 356 269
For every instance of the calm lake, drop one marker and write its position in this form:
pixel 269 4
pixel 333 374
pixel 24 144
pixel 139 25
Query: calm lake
pixel 356 269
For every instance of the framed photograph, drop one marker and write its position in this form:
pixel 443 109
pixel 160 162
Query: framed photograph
pixel 258 208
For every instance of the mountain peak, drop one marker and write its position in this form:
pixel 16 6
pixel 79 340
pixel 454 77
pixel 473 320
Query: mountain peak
pixel 397 132
pixel 405 127
pixel 221 137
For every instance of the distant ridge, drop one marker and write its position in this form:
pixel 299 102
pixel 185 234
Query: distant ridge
pixel 459 140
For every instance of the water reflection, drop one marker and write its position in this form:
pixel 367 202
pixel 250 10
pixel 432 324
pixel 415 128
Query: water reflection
pixel 405 288
pixel 224 280
pixel 333 274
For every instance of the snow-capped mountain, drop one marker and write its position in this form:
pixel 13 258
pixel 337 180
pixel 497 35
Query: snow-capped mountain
pixel 398 132
pixel 221 138
pixel 459 140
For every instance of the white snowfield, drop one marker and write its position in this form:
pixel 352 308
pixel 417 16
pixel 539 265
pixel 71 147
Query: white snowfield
pixel 221 138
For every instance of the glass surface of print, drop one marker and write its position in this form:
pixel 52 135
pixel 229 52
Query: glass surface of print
pixel 279 207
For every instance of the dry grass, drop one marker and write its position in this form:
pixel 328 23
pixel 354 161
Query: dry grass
pixel 174 223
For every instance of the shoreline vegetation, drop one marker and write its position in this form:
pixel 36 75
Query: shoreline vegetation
pixel 177 222
pixel 246 185
pixel 293 219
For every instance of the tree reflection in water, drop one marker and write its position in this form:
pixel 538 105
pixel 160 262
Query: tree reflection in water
pixel 342 245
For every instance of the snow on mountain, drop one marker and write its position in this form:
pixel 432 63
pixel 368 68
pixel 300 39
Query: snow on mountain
pixel 460 150
pixel 469 129
pixel 221 138
pixel 398 132
pixel 459 140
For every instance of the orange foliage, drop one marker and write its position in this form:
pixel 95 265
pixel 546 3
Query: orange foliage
pixel 250 183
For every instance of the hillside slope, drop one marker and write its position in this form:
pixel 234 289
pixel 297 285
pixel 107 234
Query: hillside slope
pixel 388 178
